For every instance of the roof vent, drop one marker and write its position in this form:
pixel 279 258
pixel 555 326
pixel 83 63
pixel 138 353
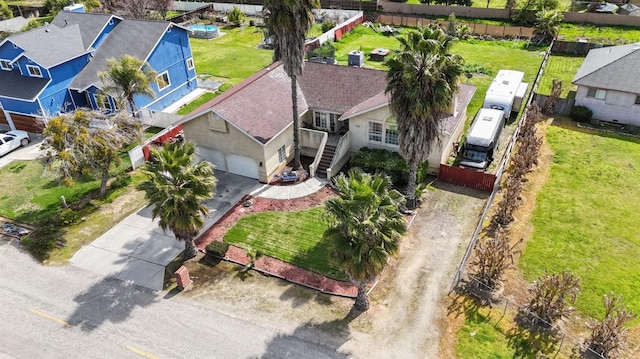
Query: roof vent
pixel 636 46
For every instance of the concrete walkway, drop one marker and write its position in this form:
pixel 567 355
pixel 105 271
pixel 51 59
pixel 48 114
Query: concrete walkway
pixel 310 186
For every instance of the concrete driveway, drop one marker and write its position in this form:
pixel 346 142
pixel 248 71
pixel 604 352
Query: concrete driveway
pixel 137 250
pixel 31 152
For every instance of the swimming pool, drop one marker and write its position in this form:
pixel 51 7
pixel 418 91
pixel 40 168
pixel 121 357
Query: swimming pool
pixel 203 27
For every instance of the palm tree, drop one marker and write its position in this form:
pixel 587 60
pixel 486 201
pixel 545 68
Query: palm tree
pixel 127 77
pixel 288 21
pixel 547 24
pixel 422 80
pixel 365 225
pixel 177 188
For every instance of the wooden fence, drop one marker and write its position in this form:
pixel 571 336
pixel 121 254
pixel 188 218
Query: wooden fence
pixel 476 29
pixel 563 105
pixel 463 177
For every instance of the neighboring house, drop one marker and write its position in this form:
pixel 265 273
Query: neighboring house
pixel 13 25
pixel 248 130
pixel 54 68
pixel 609 84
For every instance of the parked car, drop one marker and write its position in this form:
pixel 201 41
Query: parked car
pixel 11 140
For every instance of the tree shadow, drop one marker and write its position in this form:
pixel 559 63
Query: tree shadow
pixel 467 191
pixel 317 340
pixel 530 339
pixel 109 300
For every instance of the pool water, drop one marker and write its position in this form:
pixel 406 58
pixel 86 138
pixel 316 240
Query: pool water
pixel 203 28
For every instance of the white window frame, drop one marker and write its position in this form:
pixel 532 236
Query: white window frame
pixel 372 134
pixel 321 120
pixel 391 127
pixel 161 77
pixel 190 64
pixel 282 154
pixel 6 65
pixel 34 71
pixel 99 105
pixel 598 94
pixel 637 102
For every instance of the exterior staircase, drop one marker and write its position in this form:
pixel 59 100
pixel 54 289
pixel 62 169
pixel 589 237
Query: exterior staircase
pixel 325 160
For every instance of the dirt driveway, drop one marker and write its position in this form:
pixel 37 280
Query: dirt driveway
pixel 407 311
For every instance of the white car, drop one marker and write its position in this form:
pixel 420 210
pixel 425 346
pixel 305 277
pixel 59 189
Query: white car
pixel 11 140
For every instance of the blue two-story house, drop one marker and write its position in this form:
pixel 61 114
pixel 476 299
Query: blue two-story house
pixel 54 68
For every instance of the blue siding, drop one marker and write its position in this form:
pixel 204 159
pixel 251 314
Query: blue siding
pixel 22 64
pixel 63 74
pixel 21 107
pixel 105 32
pixel 57 102
pixel 9 52
pixel 171 55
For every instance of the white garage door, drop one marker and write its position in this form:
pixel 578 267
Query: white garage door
pixel 214 156
pixel 243 166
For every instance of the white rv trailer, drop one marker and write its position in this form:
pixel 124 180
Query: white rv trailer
pixel 483 138
pixel 506 92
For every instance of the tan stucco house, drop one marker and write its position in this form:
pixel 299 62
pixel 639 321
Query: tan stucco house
pixel 248 130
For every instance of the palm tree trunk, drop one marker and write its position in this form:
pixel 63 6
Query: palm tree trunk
pixel 296 124
pixel 412 202
pixel 132 105
pixel 190 250
pixel 362 299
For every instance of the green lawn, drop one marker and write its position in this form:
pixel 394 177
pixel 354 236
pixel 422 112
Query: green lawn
pixel 31 195
pixel 560 67
pixel 492 55
pixel 232 57
pixel 204 98
pixel 294 237
pixel 600 34
pixel 586 217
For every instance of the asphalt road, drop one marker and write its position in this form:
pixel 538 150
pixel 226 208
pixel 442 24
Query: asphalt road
pixel 66 312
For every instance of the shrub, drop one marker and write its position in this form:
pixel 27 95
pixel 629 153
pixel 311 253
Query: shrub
pixel 382 161
pixel 217 248
pixel 236 16
pixel 67 216
pixel 581 114
pixel 39 246
pixel 121 181
pixel 328 25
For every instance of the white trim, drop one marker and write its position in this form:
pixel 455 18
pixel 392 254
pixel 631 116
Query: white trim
pixel 31 74
pixel 192 117
pixel 6 65
pixel 168 81
pixel 168 93
pixel 343 118
pixel 108 102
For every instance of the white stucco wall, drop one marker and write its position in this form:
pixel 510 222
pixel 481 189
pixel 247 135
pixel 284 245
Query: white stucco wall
pixel 616 107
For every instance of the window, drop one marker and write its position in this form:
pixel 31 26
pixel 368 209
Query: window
pixel 637 100
pixel 163 81
pixel 102 102
pixel 282 154
pixel 321 120
pixel 190 65
pixel 391 135
pixel 375 132
pixel 6 65
pixel 597 93
pixel 34 71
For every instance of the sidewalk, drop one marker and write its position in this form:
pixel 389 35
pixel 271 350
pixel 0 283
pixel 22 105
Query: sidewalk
pixel 302 189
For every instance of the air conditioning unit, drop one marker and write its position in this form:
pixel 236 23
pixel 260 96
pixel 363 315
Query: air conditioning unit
pixel 356 58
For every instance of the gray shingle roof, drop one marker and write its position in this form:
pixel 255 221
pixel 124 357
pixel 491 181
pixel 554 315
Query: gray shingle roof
pixel 611 68
pixel 131 37
pixel 90 24
pixel 50 45
pixel 13 84
pixel 13 25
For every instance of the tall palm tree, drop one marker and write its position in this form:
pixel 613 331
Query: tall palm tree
pixel 177 189
pixel 126 77
pixel 422 80
pixel 288 21
pixel 365 225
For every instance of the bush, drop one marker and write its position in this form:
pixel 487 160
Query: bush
pixel 121 181
pixel 382 161
pixel 217 248
pixel 328 25
pixel 67 216
pixel 236 16
pixel 39 246
pixel 581 114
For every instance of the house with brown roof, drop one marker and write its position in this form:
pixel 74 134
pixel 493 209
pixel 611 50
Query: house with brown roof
pixel 609 84
pixel 248 130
